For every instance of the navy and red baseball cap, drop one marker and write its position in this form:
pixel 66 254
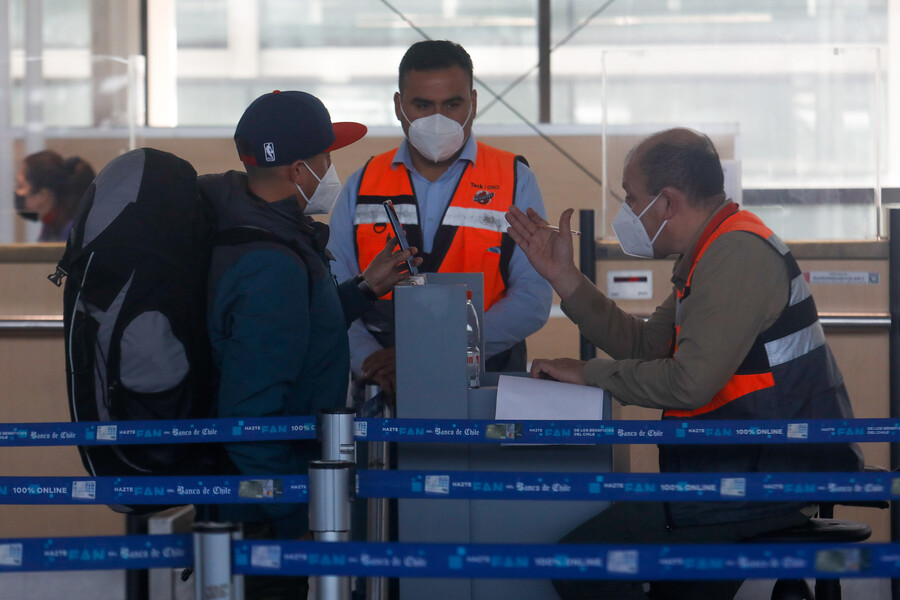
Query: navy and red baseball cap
pixel 281 127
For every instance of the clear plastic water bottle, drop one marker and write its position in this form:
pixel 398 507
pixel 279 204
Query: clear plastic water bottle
pixel 473 336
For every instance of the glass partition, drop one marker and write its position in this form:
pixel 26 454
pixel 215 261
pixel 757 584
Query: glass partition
pixel 344 51
pixel 90 106
pixel 796 88
pixel 806 123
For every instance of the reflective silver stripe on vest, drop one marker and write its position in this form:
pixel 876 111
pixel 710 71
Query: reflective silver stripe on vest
pixel 799 290
pixel 780 246
pixel 795 345
pixel 369 214
pixel 476 218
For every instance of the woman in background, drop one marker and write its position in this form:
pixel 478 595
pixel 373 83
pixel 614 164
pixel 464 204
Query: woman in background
pixel 48 189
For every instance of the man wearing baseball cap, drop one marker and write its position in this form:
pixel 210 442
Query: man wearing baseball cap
pixel 276 320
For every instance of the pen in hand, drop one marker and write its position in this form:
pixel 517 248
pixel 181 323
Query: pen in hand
pixel 572 231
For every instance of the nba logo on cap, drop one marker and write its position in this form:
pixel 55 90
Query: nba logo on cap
pixel 269 147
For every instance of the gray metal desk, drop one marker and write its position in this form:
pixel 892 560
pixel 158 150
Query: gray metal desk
pixel 431 383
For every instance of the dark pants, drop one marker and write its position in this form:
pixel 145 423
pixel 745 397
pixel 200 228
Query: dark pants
pixel 645 523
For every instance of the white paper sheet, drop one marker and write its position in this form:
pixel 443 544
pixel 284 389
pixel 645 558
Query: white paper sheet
pixel 524 398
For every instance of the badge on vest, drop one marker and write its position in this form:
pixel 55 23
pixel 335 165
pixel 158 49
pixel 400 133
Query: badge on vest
pixel 483 197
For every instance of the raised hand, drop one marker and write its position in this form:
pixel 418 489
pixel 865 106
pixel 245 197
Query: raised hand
pixel 549 250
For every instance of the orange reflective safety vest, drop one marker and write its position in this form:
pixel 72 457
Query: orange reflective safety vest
pixel 472 235
pixel 781 340
pixel 789 373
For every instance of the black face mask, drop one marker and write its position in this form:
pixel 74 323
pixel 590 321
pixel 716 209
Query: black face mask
pixel 19 203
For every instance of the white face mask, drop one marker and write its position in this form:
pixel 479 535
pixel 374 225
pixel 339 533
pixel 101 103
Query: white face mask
pixel 326 193
pixel 437 137
pixel 633 238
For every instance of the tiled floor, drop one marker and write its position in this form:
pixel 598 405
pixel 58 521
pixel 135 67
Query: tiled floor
pixel 110 585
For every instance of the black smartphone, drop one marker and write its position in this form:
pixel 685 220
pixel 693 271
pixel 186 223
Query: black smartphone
pixel 398 232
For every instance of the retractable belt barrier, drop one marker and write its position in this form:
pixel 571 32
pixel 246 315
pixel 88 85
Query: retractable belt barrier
pixel 628 432
pixel 115 433
pixel 93 553
pixel 213 489
pixel 457 485
pixel 532 561
pixel 340 558
pixel 454 431
pixel 558 561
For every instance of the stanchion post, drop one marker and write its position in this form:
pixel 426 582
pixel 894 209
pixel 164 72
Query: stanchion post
pixel 331 485
pixel 212 561
pixel 894 367
pixel 336 429
pixel 378 512
pixel 336 434
pixel 137 581
pixel 587 260
pixel 237 581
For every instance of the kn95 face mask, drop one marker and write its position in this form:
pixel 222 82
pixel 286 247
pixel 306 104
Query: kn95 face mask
pixel 633 237
pixel 326 193
pixel 437 137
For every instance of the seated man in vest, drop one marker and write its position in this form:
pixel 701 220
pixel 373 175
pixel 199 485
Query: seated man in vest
pixel 450 193
pixel 738 338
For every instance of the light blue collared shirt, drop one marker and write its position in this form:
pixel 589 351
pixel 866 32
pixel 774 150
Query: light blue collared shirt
pixel 523 310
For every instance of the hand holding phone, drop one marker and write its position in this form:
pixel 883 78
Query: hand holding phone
pixel 399 234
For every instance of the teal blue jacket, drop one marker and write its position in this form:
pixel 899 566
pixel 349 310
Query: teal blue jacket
pixel 277 324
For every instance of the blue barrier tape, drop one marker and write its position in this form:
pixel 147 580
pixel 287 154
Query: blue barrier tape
pixel 157 432
pixel 481 485
pixel 217 489
pixel 627 432
pixel 540 561
pixel 630 486
pixel 555 561
pixel 91 553
pixel 453 431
